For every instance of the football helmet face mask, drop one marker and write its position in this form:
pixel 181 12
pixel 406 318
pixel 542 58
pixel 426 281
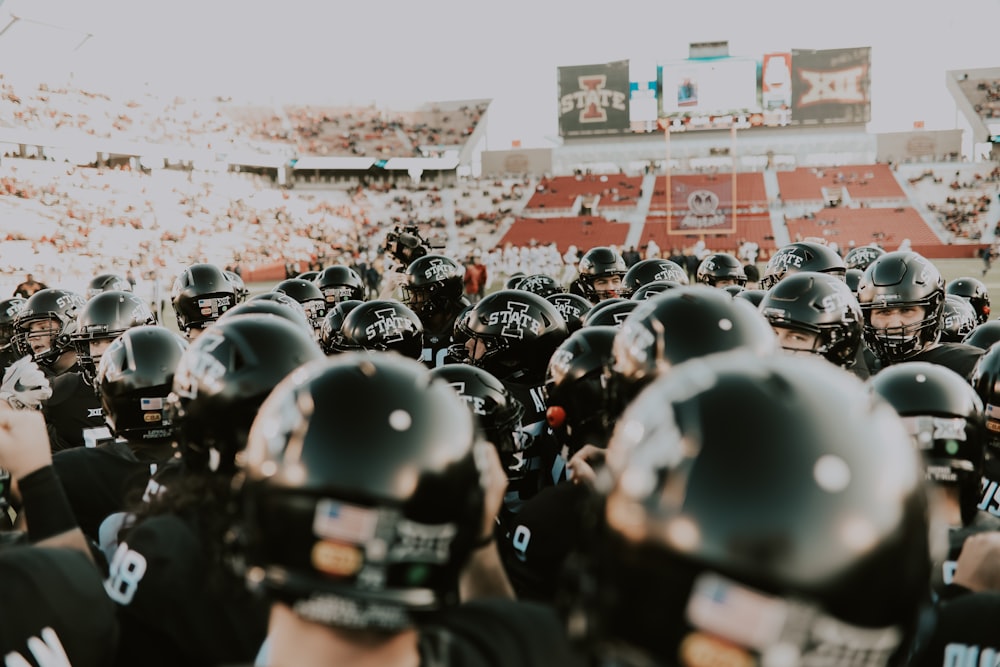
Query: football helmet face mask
pixel 331 338
pixel 819 304
pixel 363 537
pixel 200 294
pixel 861 256
pixel 579 409
pixel 902 279
pixel 720 270
pixel 599 265
pixel 975 292
pixel 650 270
pixel 383 325
pixel 434 284
pixel 239 287
pixel 801 256
pixel 572 307
pixel 45 325
pixel 815 537
pixel 103 318
pixel 959 319
pixel 9 308
pixel 309 296
pixel 510 332
pixel 134 378
pixel 944 417
pixel 340 283
pixel 107 282
pixel 224 376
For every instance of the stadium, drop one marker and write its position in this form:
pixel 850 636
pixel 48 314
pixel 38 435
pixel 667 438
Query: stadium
pixel 714 151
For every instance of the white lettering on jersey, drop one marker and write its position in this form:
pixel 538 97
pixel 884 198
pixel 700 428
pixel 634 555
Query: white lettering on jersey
pixel 124 574
pixel 963 655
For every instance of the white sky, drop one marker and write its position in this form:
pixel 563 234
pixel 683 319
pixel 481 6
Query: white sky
pixel 425 50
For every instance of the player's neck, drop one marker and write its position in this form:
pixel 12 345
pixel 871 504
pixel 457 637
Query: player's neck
pixel 295 642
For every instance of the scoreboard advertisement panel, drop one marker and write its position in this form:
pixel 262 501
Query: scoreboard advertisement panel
pixel 709 86
pixel 832 86
pixel 594 99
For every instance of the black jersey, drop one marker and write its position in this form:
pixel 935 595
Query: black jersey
pixel 990 499
pixel 491 633
pixel 964 633
pixel 54 596
pixel 175 606
pixel 102 480
pixel 435 351
pixel 535 542
pixel 959 357
pixel 75 413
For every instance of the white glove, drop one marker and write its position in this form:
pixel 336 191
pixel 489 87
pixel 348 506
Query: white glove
pixel 25 385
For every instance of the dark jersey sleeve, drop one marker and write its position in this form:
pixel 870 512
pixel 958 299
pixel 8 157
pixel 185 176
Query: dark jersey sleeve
pixel 493 633
pixel 964 633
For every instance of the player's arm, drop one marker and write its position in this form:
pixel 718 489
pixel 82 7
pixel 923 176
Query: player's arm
pixel 484 575
pixel 25 452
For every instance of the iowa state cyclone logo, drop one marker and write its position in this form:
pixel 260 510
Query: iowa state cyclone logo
pixel 593 99
pixel 703 207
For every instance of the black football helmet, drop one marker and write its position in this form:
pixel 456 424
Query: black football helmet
pixel 611 315
pixel 721 269
pixel 383 325
pixel 513 279
pixel 331 338
pixel 434 284
pixel 974 291
pixel 597 263
pixel 104 317
pixel 572 307
pixel 496 410
pixel 363 493
pixel 9 308
pixel 986 381
pixel 679 325
pixel 307 275
pixel 340 283
pixel 754 296
pixel 853 278
pixel 646 271
pixel 239 287
pixel 984 335
pixel 653 288
pixel 200 294
pixel 959 319
pixel 518 331
pixel 820 304
pixel 861 256
pixel 541 284
pixel 224 376
pixel 288 309
pixel 107 282
pixel 134 378
pixel 944 416
pixel 579 410
pixel 743 488
pixel 902 279
pixel 801 256
pixel 309 296
pixel 59 306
